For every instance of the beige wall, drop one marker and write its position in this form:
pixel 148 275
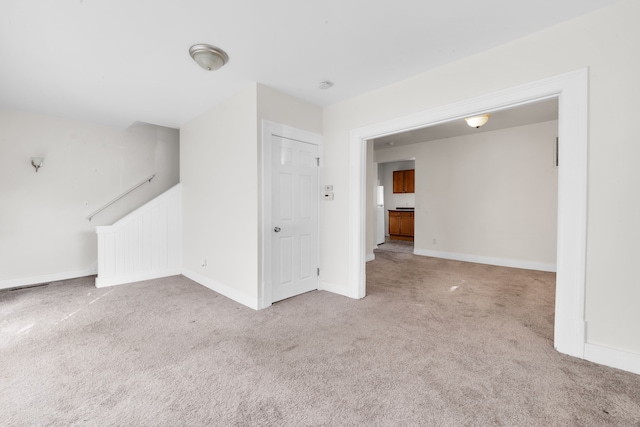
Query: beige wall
pixel 43 225
pixel 601 41
pixel 491 195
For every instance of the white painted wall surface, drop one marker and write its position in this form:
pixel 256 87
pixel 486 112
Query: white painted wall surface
pixel 601 41
pixel 277 107
pixel 145 244
pixel 218 158
pixel 221 177
pixel 294 115
pixel 492 195
pixel 44 233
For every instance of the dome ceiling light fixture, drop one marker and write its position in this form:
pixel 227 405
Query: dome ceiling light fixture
pixel 208 57
pixel 477 121
pixel 324 85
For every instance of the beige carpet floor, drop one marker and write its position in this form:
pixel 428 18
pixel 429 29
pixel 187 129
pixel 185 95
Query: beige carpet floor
pixel 435 343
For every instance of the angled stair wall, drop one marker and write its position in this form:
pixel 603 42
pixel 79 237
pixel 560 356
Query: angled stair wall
pixel 145 244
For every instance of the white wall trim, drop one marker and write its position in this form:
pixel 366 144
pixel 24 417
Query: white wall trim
pixel 614 358
pixel 145 244
pixel 370 257
pixel 333 288
pixel 268 129
pixel 221 288
pixel 572 91
pixel 19 282
pixel 138 277
pixel 502 262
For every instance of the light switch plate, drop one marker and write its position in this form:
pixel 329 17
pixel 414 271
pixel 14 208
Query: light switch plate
pixel 328 196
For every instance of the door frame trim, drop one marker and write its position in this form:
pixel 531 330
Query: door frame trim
pixel 572 91
pixel 269 129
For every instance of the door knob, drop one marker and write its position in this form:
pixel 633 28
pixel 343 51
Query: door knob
pixel 276 229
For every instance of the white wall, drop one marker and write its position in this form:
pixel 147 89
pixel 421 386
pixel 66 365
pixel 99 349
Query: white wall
pixel 44 233
pixel 601 41
pixel 144 245
pixel 491 195
pixel 218 173
pixel 278 107
pixel 221 187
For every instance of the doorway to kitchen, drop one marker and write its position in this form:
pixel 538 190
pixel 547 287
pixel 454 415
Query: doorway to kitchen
pixel 571 90
pixel 395 203
pixel 487 196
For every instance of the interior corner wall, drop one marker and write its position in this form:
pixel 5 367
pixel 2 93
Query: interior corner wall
pixel 601 41
pixel 278 107
pixel 45 234
pixel 218 158
pixel 221 176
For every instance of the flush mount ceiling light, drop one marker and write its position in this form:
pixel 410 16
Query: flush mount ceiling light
pixel 477 121
pixel 208 57
pixel 325 85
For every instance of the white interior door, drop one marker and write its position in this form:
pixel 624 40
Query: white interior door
pixel 295 195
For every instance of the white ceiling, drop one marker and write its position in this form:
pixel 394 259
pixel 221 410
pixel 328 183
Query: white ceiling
pixel 120 61
pixel 535 112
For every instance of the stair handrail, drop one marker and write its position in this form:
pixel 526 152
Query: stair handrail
pixel 120 197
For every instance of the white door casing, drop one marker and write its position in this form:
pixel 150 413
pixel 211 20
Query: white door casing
pixel 290 212
pixel 572 91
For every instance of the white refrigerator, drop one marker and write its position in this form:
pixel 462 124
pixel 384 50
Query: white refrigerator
pixel 380 230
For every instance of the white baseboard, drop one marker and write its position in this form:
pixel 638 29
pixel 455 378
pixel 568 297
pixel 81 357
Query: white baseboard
pixel 221 289
pixel 19 282
pixel 370 257
pixel 333 288
pixel 607 356
pixel 502 262
pixel 121 280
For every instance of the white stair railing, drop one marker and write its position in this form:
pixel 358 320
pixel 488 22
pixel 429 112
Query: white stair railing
pixel 94 213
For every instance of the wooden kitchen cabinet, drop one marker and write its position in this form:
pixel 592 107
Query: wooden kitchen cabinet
pixel 404 181
pixel 401 225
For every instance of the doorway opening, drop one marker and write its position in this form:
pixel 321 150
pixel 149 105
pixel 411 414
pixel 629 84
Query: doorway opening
pixel 395 204
pixel 571 91
pixel 487 196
